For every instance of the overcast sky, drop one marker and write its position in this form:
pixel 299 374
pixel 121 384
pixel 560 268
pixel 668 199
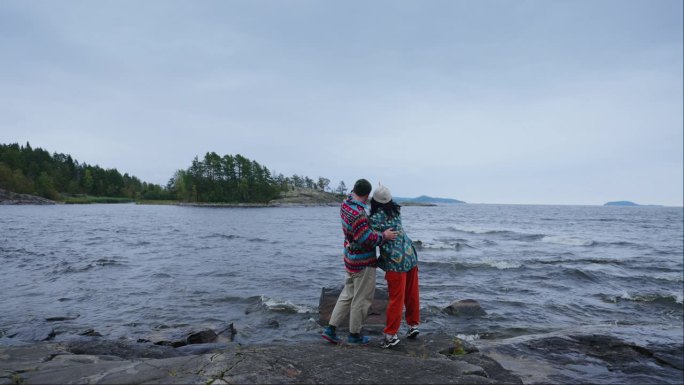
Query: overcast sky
pixel 546 101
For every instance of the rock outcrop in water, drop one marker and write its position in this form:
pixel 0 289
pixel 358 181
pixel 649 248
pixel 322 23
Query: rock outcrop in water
pixel 465 308
pixel 11 198
pixel 307 197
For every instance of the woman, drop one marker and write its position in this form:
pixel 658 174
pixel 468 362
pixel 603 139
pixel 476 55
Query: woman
pixel 399 260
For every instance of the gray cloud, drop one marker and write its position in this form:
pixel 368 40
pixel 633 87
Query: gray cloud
pixel 575 102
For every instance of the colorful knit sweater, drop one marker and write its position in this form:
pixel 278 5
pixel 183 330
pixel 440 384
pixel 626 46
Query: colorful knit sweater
pixel 398 254
pixel 360 240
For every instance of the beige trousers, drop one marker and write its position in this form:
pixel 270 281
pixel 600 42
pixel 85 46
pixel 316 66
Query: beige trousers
pixel 355 299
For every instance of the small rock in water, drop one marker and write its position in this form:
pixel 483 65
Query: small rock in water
pixel 418 244
pixel 230 330
pixel 69 317
pixel 33 334
pixel 90 333
pixel 465 307
pixel 202 337
pixel 273 324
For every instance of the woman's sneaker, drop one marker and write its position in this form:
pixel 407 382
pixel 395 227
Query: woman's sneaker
pixel 389 341
pixel 330 335
pixel 358 340
pixel 412 332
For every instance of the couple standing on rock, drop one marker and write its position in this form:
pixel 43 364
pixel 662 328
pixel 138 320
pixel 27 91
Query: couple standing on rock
pixel 398 258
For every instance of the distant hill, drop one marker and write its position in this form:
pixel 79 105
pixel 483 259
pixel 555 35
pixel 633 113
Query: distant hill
pixel 621 203
pixel 628 204
pixel 426 199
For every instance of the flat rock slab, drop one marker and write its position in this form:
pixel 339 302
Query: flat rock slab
pixel 308 363
pixel 594 358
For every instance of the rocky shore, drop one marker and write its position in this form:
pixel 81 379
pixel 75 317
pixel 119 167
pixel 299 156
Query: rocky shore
pixel 428 360
pixel 217 357
pixel 11 198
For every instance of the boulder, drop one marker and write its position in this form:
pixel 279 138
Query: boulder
pixel 201 337
pixel 465 308
pixel 176 340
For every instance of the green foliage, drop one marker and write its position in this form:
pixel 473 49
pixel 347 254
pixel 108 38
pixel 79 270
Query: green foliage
pixel 28 170
pixel 235 179
pixel 228 178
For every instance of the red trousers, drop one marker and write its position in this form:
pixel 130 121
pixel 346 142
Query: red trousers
pixel 403 290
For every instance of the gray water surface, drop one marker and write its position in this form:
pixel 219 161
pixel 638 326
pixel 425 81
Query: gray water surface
pixel 129 271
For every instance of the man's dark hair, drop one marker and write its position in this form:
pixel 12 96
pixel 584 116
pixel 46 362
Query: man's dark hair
pixel 362 187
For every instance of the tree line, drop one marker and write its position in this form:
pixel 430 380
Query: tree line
pixel 26 170
pixel 235 178
pixel 215 178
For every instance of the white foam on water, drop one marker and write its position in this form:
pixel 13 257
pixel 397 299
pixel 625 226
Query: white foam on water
pixel 468 337
pixel 569 241
pixel 473 230
pixel 502 264
pixel 287 306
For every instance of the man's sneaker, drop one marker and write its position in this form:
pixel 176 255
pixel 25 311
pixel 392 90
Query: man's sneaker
pixel 360 340
pixel 412 332
pixel 330 335
pixel 389 341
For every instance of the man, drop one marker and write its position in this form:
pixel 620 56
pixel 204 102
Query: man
pixel 360 242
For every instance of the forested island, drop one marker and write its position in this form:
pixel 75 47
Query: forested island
pixel 213 179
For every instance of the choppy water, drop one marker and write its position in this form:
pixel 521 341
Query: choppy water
pixel 129 271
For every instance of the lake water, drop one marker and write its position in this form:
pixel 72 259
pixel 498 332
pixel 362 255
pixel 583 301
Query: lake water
pixel 130 271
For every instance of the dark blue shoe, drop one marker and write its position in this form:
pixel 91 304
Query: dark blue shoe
pixel 329 335
pixel 360 340
pixel 412 332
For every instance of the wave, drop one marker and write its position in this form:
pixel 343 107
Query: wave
pixel 477 230
pixel 220 236
pixel 482 264
pixel 64 267
pixel 509 234
pixel 568 241
pixel 599 261
pixel 667 299
pixel 457 245
pixel 578 274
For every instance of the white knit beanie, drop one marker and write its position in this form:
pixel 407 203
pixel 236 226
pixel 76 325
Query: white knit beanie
pixel 382 194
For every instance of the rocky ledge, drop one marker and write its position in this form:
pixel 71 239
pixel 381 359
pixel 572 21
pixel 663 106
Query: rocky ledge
pixel 426 360
pixel 11 198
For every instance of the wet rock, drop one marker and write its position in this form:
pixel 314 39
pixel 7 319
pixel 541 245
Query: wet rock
pixel 376 314
pixel 33 334
pixel 11 198
pixel 465 308
pixel 594 358
pixel 272 324
pixel 201 337
pixel 62 318
pixel 288 363
pixel 176 339
pixel 123 349
pixel 230 331
pixel 90 333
